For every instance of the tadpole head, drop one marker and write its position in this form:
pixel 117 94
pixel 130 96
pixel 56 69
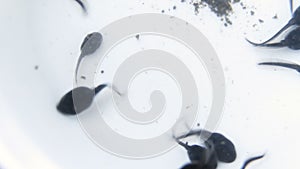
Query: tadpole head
pixel 91 43
pixel 225 149
pixel 293 39
pixel 76 101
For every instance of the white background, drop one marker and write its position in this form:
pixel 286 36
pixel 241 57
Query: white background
pixel 261 109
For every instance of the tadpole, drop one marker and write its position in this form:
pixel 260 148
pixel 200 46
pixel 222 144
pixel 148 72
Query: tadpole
pixel 79 99
pixel 83 97
pixel 89 45
pixel 295 20
pixel 281 64
pixel 292 41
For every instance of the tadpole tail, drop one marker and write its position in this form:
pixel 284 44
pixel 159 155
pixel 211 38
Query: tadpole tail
pixel 286 65
pixel 278 44
pixel 81 5
pixel 195 132
pixel 247 162
pixel 275 45
pixel 290 23
pixel 100 88
pixel 186 146
pixel 291 6
pixel 77 65
pixel 114 89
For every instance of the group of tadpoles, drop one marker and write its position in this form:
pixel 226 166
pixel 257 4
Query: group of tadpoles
pixel 292 40
pixel 80 98
pixel 216 148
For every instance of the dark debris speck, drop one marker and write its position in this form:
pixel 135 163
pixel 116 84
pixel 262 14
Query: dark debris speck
pixel 137 37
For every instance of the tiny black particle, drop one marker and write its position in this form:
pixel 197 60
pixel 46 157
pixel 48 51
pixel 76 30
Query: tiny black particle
pixel 36 67
pixel 137 37
pixel 102 71
pixel 261 21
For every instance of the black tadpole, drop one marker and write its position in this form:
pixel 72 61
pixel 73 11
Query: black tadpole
pixel 281 64
pixel 89 45
pixel 295 20
pixel 247 162
pixel 79 99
